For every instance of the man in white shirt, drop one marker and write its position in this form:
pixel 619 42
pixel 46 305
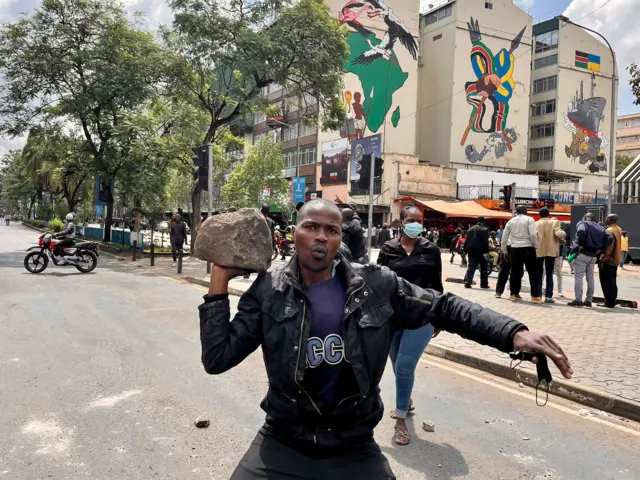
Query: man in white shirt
pixel 520 232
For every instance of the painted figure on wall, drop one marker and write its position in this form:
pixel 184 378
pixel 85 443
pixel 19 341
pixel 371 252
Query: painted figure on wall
pixel 375 63
pixel 356 117
pixel 583 119
pixel 490 93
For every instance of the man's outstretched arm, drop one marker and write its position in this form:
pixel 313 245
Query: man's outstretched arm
pixel 225 344
pixel 416 307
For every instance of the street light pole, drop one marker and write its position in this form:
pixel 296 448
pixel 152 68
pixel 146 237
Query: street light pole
pixel 614 79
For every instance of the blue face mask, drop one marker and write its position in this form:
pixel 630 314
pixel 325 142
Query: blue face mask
pixel 412 230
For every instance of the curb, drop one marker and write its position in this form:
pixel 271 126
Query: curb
pixel 524 289
pixel 572 391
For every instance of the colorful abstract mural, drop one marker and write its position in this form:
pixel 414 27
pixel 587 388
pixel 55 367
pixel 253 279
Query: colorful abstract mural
pixel 583 119
pixel 489 95
pixel 375 63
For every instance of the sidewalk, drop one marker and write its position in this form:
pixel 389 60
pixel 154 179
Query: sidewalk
pixel 602 344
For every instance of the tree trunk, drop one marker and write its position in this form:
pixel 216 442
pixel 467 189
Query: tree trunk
pixel 108 221
pixel 197 215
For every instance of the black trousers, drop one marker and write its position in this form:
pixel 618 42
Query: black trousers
pixel 175 249
pixel 503 276
pixel 609 284
pixel 521 258
pixel 546 266
pixel 62 244
pixel 272 459
pixel 477 260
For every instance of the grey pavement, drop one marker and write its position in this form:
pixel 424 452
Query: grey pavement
pixel 101 379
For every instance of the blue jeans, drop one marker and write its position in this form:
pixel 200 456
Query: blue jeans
pixel 406 349
pixel 623 259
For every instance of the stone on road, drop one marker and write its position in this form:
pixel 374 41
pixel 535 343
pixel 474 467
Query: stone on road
pixel 101 378
pixel 239 239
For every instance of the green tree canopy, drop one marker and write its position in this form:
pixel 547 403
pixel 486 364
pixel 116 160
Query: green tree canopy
pixel 262 167
pixel 622 162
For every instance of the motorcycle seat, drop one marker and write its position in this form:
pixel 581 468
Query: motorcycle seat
pixel 83 244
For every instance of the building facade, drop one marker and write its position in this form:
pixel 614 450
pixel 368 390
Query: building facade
pixel 473 98
pixel 628 135
pixel 570 106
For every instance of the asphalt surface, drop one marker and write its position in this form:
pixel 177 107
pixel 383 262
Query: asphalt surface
pixel 100 378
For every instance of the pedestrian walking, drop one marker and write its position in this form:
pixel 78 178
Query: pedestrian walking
pixel 178 236
pixel 417 260
pixel 590 240
pixel 384 235
pixel 609 261
pixel 374 237
pixel 500 232
pixel 550 236
pixel 453 248
pixel 353 236
pixel 505 271
pixel 325 328
pixel 624 243
pixel 476 246
pixel 557 268
pixel 460 248
pixel 521 233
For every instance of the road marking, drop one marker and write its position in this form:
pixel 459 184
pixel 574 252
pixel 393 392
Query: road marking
pixel 528 396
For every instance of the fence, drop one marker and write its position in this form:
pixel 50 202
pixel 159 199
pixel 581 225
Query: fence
pixel 566 197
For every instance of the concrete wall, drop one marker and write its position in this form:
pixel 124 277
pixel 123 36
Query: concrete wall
pixel 415 178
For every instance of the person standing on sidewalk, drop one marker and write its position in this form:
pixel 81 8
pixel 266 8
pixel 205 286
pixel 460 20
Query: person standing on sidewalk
pixel 624 242
pixel 178 236
pixel 476 246
pixel 505 270
pixel 609 261
pixel 550 236
pixel 462 239
pixel 325 327
pixel 417 260
pixel 520 232
pixel 589 242
pixel 353 236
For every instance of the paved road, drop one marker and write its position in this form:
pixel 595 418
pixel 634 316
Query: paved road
pixel 101 379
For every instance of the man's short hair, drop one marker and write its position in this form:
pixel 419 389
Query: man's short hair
pixel 544 212
pixel 347 214
pixel 265 209
pixel 480 219
pixel 314 205
pixel 588 216
pixel 521 210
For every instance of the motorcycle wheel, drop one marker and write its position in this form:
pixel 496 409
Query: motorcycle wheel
pixel 275 253
pixel 89 258
pixel 36 262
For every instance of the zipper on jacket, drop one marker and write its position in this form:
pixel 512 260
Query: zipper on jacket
pixel 300 350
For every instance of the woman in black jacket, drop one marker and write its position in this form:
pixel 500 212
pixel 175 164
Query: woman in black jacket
pixel 418 261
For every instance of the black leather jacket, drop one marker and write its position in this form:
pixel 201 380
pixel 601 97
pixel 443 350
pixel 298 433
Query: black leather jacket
pixel 273 314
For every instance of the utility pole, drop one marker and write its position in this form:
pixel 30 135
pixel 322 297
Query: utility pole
pixel 513 199
pixel 371 177
pixel 210 187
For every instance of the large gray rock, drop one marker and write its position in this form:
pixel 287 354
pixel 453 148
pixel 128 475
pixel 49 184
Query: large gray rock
pixel 239 239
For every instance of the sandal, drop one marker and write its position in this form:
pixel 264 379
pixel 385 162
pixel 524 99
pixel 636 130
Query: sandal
pixel 401 435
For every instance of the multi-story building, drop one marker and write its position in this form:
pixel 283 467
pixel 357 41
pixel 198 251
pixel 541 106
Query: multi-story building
pixel 570 107
pixel 628 135
pixel 473 95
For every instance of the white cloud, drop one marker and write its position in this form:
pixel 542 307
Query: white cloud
pixel 525 5
pixel 618 22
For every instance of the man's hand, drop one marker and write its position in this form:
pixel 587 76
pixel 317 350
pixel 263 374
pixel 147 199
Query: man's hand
pixel 526 341
pixel 220 277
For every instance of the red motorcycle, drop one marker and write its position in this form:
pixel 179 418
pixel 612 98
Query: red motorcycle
pixel 83 255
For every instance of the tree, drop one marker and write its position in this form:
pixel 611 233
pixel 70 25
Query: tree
pixel 634 81
pixel 262 167
pixel 232 50
pixel 622 162
pixel 18 191
pixel 82 62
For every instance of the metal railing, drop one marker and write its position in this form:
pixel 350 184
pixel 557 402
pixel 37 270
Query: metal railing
pixel 565 197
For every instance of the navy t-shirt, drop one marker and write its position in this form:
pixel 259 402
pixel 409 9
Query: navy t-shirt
pixel 326 349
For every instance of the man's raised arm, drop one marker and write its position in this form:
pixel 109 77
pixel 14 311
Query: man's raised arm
pixel 225 344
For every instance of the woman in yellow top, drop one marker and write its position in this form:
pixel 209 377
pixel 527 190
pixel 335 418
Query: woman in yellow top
pixel 624 243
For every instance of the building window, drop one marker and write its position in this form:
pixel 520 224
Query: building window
pixel 542 154
pixel 546 41
pixel 545 61
pixel 308 155
pixel 437 37
pixel 259 118
pixel 543 130
pixel 289 159
pixel 290 132
pixel 258 136
pixel 438 15
pixel 488 5
pixel 308 129
pixel 543 108
pixel 545 84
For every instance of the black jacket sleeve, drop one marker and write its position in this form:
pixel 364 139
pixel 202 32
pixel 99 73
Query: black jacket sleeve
pixel 415 307
pixel 382 256
pixel 225 344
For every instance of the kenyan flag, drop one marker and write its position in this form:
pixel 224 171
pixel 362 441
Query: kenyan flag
pixel 582 59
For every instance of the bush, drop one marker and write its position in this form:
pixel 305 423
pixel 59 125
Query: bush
pixel 38 223
pixel 56 225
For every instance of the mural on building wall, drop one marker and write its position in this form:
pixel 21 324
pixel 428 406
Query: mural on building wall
pixel 489 95
pixel 376 65
pixel 583 119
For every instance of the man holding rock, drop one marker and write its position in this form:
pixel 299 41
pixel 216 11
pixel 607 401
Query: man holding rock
pixel 325 328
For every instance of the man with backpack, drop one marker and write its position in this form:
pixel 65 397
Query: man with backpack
pixel 590 241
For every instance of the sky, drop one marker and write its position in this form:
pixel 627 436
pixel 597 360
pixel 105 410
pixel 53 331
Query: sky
pixel 615 19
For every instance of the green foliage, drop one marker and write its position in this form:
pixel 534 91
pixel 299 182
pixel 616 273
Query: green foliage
pixel 44 212
pixel 38 223
pixel 262 167
pixel 634 81
pixel 18 191
pixel 622 162
pixel 56 225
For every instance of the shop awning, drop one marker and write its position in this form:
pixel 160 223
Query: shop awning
pixel 465 209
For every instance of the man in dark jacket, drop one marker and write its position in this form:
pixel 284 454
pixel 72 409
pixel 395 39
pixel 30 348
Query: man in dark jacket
pixel 309 317
pixel 476 246
pixel 178 236
pixel 384 235
pixel 353 236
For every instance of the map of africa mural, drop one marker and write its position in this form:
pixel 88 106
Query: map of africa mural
pixel 374 62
